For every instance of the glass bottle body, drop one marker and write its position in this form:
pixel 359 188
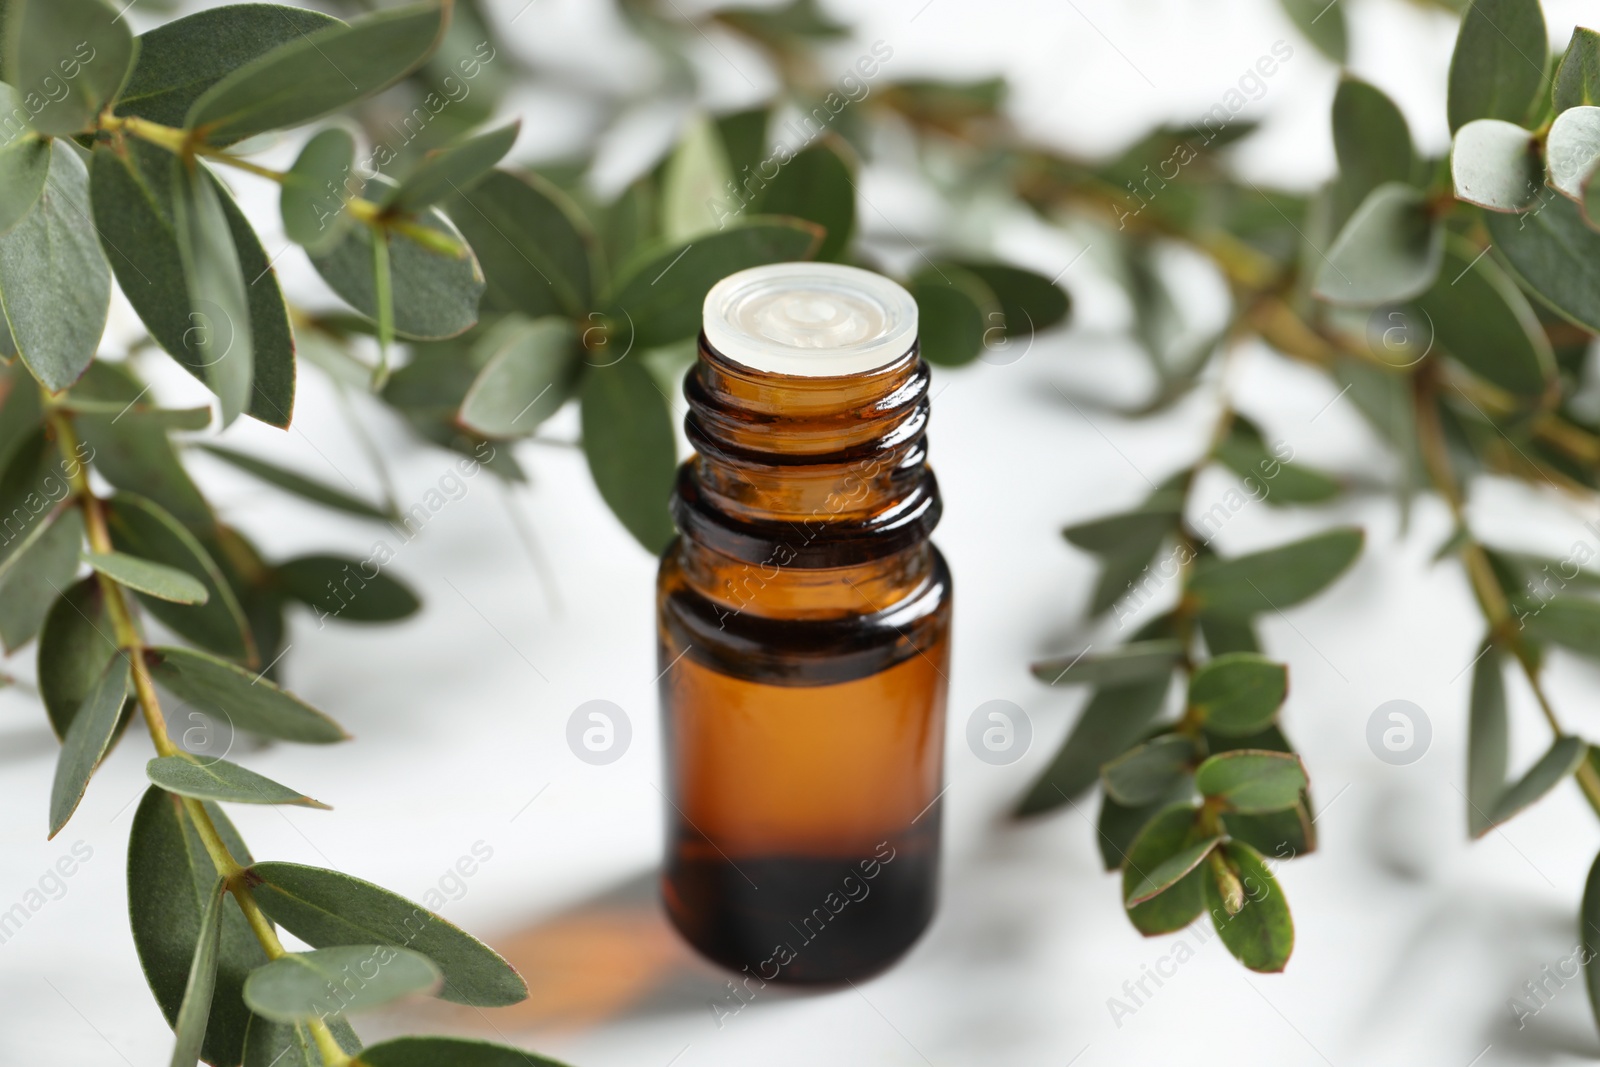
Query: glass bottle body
pixel 803 622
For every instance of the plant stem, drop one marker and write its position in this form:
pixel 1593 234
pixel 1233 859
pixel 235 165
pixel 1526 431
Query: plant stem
pixel 131 642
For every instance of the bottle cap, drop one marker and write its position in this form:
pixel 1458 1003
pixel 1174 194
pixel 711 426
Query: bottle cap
pixel 810 319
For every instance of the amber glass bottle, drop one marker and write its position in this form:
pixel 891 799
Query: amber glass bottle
pixel 804 619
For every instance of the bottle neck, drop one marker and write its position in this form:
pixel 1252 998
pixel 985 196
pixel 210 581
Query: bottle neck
pixel 813 491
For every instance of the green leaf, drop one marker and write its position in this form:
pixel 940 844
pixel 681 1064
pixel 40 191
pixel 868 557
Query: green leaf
pixel 1388 251
pixel 744 136
pixel 1223 636
pixel 1238 693
pixel 318 189
pixel 36 573
pixel 247 701
pixel 314 985
pixel 318 73
pixel 663 294
pixel 954 311
pixel 1029 302
pixel 1266 476
pixel 1150 884
pixel 632 454
pixel 298 484
pixel 1370 137
pixel 816 185
pixel 1487 742
pixel 1555 257
pixel 1559 760
pixel 1261 934
pixel 1481 318
pixel 170 881
pixel 694 183
pixel 1570 621
pixel 1148 772
pixel 75 650
pixel 1119 825
pixel 448 171
pixel 1577 81
pixel 534 245
pixel 155 579
pixel 1252 781
pixel 24 162
pixel 1496 165
pixel 1148 525
pixel 530 371
pixel 143 529
pixel 1589 933
pixel 1113 719
pixel 196 418
pixel 1498 65
pixel 81 46
pixel 1130 663
pixel 87 740
pixel 55 287
pixel 342 589
pixel 1572 150
pixel 1323 25
pixel 275 1044
pixel 455 1051
pixel 195 1011
pixel 1273 579
pixel 435 295
pixel 181 59
pixel 134 202
pixel 218 779
pixel 326 908
pixel 1164 837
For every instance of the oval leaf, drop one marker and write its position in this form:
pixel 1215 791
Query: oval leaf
pixel 1497 67
pixel 1163 837
pixel 1252 780
pixel 1238 693
pixel 1388 251
pixel 1487 742
pixel 1560 760
pixel 1570 621
pixel 88 739
pixel 529 373
pixel 816 185
pixel 1555 256
pixel 1112 720
pixel 1150 771
pixel 341 588
pixel 1370 137
pixel 326 908
pixel 632 454
pixel 317 190
pixel 156 579
pixel 533 243
pixel 1572 149
pixel 1169 871
pixel 24 163
pixel 298 484
pixel 217 779
pixel 1495 164
pixel 317 985
pixel 1276 578
pixel 1483 321
pixel 75 650
pixel 954 311
pixel 455 1051
pixel 81 46
pixel 1130 663
pixel 195 1011
pixel 1261 933
pixel 1578 78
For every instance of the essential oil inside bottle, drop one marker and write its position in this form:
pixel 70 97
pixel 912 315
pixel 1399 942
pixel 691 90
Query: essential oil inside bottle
pixel 803 617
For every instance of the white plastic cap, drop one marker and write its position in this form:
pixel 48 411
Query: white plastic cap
pixel 810 319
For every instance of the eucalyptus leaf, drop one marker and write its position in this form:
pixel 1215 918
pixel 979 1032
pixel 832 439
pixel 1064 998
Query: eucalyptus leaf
pixel 1164 836
pixel 1497 67
pixel 55 286
pixel 1495 164
pixel 1268 477
pixel 629 444
pixel 535 247
pixel 1252 781
pixel 1479 316
pixel 1589 933
pixel 1110 722
pixel 94 724
pixel 1570 621
pixel 1148 772
pixel 298 484
pixel 179 60
pixel 1559 760
pixel 170 881
pixel 1322 23
pixel 1029 302
pixel 1130 663
pixel 76 648
pixel 24 162
pixel 340 588
pixel 194 1012
pixel 218 779
pixel 1261 934
pixel 530 372
pixel 452 170
pixel 315 196
pixel 1577 82
pixel 1238 693
pixel 314 985
pixel 954 312
pixel 327 908
pixel 38 571
pixel 1273 579
pixel 1370 137
pixel 1170 871
pixel 314 74
pixel 694 184
pixel 816 185
pixel 1487 742
pixel 154 579
pixel 455 1051
pixel 1572 149
pixel 83 46
pixel 1555 257
pixel 1389 250
pixel 232 694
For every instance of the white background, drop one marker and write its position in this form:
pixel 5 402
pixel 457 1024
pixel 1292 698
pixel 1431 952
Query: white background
pixel 1410 940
